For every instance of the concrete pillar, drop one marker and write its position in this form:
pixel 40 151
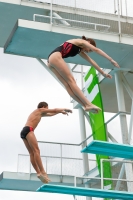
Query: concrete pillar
pixel 123 124
pixel 83 137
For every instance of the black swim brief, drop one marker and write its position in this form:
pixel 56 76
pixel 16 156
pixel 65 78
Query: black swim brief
pixel 25 131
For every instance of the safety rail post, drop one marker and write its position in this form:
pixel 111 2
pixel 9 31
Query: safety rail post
pixel 61 157
pixel 101 164
pixel 119 21
pixel 51 4
pixel 74 186
pixel 34 17
pixel 29 170
pixel 75 6
pixel 130 125
pixel 46 164
pixel 115 11
pixel 75 181
pixel 126 8
pixel 121 7
pixel 18 163
pixel 82 75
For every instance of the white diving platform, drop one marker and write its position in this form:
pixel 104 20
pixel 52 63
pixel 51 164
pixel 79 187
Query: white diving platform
pixel 85 192
pixel 109 149
pixel 30 182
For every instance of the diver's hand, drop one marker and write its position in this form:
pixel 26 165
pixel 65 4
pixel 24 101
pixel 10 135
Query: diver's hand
pixel 107 75
pixel 64 112
pixel 114 63
pixel 68 110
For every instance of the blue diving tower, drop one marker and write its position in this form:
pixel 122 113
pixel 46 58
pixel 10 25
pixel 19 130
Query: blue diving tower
pixel 23 35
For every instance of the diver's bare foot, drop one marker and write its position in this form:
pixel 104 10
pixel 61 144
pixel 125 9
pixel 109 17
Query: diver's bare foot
pixel 45 175
pixel 92 108
pixel 44 178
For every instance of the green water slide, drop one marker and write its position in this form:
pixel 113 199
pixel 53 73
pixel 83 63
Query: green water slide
pixel 93 93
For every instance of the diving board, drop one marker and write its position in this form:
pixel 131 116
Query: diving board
pixel 85 192
pixel 109 149
pixel 22 181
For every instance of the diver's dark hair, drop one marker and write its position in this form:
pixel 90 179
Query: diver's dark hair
pixel 42 104
pixel 90 40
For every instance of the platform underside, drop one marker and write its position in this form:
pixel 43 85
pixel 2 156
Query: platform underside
pixel 35 39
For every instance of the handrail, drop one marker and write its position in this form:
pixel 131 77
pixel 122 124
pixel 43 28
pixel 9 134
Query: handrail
pixel 70 20
pixel 99 178
pixel 111 160
pixel 120 112
pixel 52 157
pixel 58 143
pixel 89 10
pixel 58 157
pixel 67 143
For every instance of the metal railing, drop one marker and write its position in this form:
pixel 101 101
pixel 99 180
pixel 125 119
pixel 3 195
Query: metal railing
pixel 114 16
pixel 114 179
pixel 117 26
pixel 108 6
pixel 54 165
pixel 100 179
pixel 88 180
pixel 57 158
pixel 119 113
pixel 94 25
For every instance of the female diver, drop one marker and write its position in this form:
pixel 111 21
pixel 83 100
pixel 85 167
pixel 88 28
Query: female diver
pixel 58 66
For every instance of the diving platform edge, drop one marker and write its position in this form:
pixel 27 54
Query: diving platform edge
pixel 29 182
pixel 109 149
pixel 85 192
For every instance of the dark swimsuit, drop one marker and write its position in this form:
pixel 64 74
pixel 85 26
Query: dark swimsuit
pixel 25 131
pixel 67 50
